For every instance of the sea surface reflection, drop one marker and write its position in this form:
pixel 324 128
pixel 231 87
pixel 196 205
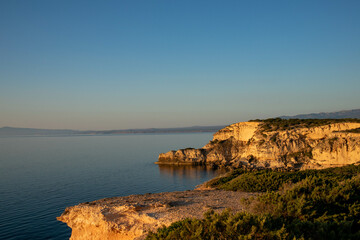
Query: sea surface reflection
pixel 189 172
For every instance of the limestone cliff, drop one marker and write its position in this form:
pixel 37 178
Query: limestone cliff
pixel 297 144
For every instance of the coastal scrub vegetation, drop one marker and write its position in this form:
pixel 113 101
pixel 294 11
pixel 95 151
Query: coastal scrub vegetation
pixel 271 180
pixel 311 204
pixel 279 124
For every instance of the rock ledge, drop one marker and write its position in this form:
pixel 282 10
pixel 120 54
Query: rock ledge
pixel 132 217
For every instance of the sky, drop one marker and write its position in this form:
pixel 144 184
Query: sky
pixel 97 65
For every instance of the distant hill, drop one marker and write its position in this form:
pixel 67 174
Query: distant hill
pixel 11 131
pixel 161 130
pixel 355 113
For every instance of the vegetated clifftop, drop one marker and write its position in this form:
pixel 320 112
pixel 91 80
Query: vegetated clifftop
pixel 277 143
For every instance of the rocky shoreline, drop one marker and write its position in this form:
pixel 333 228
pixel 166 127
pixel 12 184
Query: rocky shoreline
pixel 132 217
pixel 241 145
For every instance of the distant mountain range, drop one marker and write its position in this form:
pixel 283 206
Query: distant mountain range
pixel 11 131
pixel 355 113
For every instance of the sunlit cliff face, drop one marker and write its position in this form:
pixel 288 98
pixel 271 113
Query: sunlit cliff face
pixel 247 144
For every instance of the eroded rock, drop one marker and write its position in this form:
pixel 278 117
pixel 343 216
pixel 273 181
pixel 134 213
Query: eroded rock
pixel 132 217
pixel 247 145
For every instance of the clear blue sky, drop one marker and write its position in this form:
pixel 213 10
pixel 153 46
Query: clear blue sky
pixel 135 64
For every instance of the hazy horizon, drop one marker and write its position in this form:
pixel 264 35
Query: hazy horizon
pixel 306 114
pixel 114 128
pixel 103 65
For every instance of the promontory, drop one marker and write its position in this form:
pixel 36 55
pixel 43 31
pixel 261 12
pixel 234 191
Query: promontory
pixel 278 144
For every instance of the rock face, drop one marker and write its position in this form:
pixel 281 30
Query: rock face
pixel 132 217
pixel 248 145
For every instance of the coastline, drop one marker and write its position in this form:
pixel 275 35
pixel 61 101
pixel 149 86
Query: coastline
pixel 132 217
pixel 245 146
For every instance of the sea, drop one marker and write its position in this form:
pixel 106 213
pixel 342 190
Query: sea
pixel 42 175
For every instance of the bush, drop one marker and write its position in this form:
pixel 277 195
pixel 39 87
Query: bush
pixel 278 124
pixel 270 180
pixel 322 204
pixel 223 226
pixel 250 226
pixel 315 199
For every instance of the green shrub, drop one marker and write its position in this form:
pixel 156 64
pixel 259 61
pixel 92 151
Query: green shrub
pixel 315 199
pixel 270 180
pixel 228 226
pixel 278 124
pixel 322 204
pixel 223 226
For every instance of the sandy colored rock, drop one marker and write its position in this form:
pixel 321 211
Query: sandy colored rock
pixel 132 217
pixel 245 144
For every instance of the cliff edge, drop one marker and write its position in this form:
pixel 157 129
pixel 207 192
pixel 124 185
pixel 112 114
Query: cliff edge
pixel 277 143
pixel 132 217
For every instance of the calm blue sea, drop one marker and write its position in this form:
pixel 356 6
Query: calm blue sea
pixel 40 176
